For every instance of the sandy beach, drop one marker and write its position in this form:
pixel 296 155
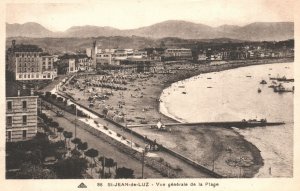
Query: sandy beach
pixel 215 148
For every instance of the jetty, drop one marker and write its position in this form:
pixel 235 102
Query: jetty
pixel 227 124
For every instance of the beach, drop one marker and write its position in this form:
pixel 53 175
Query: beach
pixel 218 149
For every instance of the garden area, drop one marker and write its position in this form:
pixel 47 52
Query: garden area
pixel 54 153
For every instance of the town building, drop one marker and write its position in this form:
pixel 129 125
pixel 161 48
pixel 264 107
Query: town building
pixel 84 62
pixel 68 64
pixel 21 113
pixel 29 63
pixel 48 71
pixel 177 54
pixel 202 56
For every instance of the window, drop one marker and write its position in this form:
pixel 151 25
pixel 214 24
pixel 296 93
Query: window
pixel 9 105
pixel 24 104
pixel 9 120
pixel 24 134
pixel 49 67
pixel 24 119
pixel 20 75
pixel 28 75
pixel 48 76
pixel 9 135
pixel 37 76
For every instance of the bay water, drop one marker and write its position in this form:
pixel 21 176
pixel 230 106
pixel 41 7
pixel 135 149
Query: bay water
pixel 232 95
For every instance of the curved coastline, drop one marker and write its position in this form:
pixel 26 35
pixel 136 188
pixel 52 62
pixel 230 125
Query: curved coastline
pixel 255 152
pixel 194 142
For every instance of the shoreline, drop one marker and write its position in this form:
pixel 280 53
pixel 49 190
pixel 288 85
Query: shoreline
pixel 195 143
pixel 255 151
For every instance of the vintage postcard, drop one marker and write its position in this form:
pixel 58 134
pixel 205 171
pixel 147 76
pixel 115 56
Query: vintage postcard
pixel 149 95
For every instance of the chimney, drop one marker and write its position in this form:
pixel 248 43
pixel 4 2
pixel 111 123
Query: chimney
pixel 13 43
pixel 19 93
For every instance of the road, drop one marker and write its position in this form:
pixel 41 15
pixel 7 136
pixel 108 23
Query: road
pixel 104 148
pixel 188 171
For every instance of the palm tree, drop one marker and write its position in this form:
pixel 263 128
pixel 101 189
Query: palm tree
pixel 92 153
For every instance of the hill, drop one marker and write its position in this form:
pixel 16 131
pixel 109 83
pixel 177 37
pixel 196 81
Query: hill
pixel 258 31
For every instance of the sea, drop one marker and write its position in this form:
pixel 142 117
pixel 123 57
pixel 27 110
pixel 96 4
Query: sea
pixel 232 95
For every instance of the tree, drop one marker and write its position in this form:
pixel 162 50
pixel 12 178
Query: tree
pixel 71 167
pixel 53 96
pixel 124 173
pixel 76 141
pixel 54 124
pixel 110 163
pixel 59 99
pixel 67 135
pixel 47 95
pixel 92 153
pixel 60 130
pixel 82 147
pixel 30 171
pixel 75 153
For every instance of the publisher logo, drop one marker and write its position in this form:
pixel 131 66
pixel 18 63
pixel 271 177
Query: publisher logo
pixel 82 185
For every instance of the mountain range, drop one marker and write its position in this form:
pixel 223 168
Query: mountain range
pixel 258 31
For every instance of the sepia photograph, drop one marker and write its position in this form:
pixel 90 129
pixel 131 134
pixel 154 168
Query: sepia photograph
pixel 156 90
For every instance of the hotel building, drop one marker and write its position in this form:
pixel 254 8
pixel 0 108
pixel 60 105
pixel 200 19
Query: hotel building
pixel 21 114
pixel 29 63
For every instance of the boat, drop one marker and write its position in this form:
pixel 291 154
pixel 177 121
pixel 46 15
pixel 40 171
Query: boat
pixel 272 86
pixel 282 79
pixel 209 87
pixel 248 76
pixel 183 92
pixel 263 82
pixel 181 86
pixel 281 89
pixel 208 78
pixel 259 90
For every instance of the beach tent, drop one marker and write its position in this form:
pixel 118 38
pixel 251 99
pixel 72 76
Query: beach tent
pixel 159 125
pixel 118 118
pixel 110 114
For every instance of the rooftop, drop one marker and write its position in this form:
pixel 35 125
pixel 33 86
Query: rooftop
pixel 45 54
pixel 25 48
pixel 73 56
pixel 12 90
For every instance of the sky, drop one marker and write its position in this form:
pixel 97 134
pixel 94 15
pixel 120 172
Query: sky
pixel 129 14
